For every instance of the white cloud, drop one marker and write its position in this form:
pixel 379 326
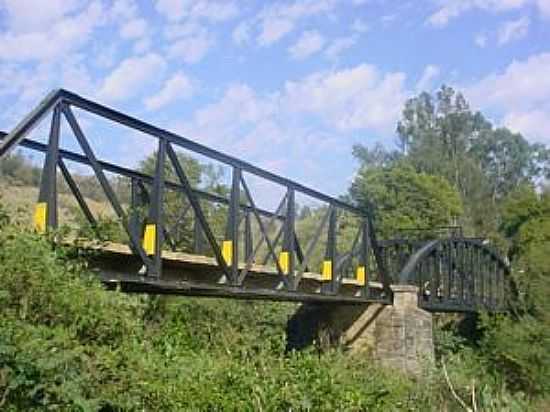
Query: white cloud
pixel 143 45
pixel 26 85
pixel 175 31
pixel 274 30
pixel 241 34
pixel 133 29
pixel 191 49
pixel 350 99
pixel 430 73
pixel 215 11
pixel 241 121
pixel 359 26
pixel 279 19
pixel 310 42
pixel 59 38
pixel 123 10
pixel 544 7
pixel 520 93
pixel 388 18
pixel 451 9
pixel 480 40
pixel 191 42
pixel 177 87
pixel 513 30
pixel 26 16
pixel 239 105
pixel 533 124
pixel 131 76
pixel 339 45
pixel 521 84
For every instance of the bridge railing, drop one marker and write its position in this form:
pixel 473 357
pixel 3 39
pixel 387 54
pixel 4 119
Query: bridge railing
pixel 344 233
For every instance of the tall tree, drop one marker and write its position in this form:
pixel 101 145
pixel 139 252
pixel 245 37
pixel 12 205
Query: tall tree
pixel 406 199
pixel 441 135
pixel 507 159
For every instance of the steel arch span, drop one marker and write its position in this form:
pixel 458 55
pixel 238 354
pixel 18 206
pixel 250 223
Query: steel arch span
pixel 458 275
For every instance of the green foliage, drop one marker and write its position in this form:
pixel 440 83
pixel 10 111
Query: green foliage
pixel 4 217
pixel 404 198
pixel 518 208
pixel 18 170
pixel 443 136
pixel 106 228
pixel 517 351
pixel 492 172
pixel 65 343
pixel 440 135
pixel 516 347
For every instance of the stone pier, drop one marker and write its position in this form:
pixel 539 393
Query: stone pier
pixel 398 336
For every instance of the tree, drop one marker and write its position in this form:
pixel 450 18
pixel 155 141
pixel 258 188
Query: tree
pixel 507 159
pixel 436 134
pixel 516 346
pixel 19 170
pixel 376 157
pixel 441 135
pixel 406 199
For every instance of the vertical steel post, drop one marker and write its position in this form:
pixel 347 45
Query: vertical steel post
pixel 154 235
pixel 362 271
pixel 231 243
pixel 287 256
pixel 45 214
pixel 434 280
pixel 198 237
pixel 328 271
pixel 448 293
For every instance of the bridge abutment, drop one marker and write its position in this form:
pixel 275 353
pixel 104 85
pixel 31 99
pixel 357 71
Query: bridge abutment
pixel 398 336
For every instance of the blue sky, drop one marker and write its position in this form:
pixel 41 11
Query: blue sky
pixel 287 85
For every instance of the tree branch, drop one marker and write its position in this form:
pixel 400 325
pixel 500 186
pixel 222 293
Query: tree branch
pixel 455 395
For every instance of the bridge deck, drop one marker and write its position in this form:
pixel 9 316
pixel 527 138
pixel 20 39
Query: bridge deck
pixel 196 275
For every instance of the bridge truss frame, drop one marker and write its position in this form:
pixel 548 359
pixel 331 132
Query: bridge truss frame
pixel 147 245
pixel 454 274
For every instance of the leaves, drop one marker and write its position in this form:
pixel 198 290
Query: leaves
pixel 404 199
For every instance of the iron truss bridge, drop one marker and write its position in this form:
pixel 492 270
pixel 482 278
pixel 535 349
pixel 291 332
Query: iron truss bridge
pixel 183 238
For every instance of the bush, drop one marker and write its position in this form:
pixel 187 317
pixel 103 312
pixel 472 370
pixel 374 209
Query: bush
pixel 68 344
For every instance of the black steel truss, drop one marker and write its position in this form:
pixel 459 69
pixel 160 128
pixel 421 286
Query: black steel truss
pixel 148 236
pixel 454 274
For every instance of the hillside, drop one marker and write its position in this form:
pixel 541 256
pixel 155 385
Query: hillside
pixel 20 201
